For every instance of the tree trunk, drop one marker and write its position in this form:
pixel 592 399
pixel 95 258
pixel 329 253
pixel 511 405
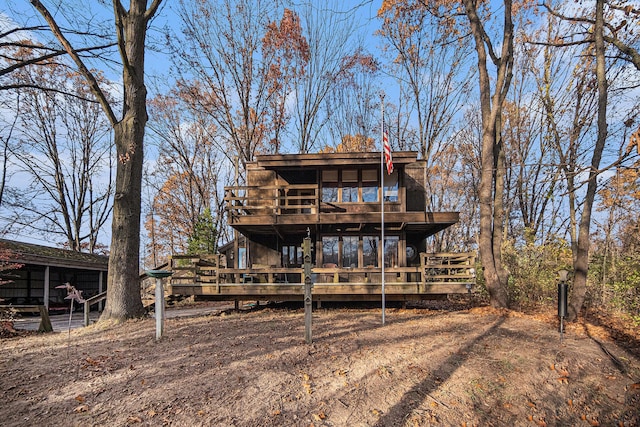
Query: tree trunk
pixel 491 187
pixel 123 283
pixel 581 263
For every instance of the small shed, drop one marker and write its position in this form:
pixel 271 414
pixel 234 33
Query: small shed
pixel 44 268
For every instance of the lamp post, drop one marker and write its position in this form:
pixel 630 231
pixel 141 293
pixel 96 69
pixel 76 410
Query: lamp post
pixel 562 298
pixel 159 275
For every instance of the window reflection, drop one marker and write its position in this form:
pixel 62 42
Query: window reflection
pixel 370 251
pixel 330 250
pixel 391 251
pixel 350 251
pixel 391 187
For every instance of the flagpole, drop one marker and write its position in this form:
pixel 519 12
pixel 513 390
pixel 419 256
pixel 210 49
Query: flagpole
pixel 382 200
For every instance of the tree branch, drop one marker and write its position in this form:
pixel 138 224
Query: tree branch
pixel 93 83
pixel 151 11
pixel 45 89
pixel 119 14
pixel 557 14
pixel 632 54
pixel 55 53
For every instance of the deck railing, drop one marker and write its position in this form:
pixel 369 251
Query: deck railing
pixel 445 268
pixel 271 200
pixel 435 269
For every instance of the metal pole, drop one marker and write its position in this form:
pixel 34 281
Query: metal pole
pixel 159 308
pixel 308 302
pixel 382 202
pixel 562 300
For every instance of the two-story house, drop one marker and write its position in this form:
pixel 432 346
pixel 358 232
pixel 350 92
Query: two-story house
pixel 336 199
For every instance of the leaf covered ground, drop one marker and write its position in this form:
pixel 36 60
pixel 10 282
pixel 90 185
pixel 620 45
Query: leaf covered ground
pixel 427 365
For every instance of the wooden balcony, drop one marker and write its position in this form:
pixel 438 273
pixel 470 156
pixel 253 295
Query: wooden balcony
pixel 438 274
pixel 254 209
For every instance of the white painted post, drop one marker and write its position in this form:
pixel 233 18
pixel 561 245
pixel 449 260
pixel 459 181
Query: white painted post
pixel 158 275
pixel 46 287
pixel 159 308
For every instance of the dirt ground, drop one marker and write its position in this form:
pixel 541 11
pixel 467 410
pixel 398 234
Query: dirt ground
pixel 429 365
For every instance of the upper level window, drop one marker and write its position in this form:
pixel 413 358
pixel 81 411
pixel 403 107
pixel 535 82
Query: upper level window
pixel 370 185
pixel 349 186
pixel 330 186
pixel 356 185
pixel 391 187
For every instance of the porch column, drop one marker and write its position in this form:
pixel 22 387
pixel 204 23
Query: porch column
pixel 100 289
pixel 46 287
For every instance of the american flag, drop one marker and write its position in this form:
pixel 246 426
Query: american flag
pixel 387 152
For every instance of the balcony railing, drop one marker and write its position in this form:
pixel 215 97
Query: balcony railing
pixel 436 269
pixel 271 200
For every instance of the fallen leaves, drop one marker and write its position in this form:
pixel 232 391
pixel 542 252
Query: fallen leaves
pixel 81 408
pixel 306 383
pixel 320 416
pixel 384 371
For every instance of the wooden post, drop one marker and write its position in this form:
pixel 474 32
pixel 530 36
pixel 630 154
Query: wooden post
pixel 158 275
pixel 86 310
pixel 308 303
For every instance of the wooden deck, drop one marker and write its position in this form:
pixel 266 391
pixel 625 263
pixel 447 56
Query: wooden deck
pixel 261 209
pixel 438 274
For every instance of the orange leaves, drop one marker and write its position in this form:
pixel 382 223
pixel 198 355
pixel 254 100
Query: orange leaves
pixel 287 37
pixel 593 421
pixel 81 408
pixel 306 383
pixel 634 141
pixel 352 143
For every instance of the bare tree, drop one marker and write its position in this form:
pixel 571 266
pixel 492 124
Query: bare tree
pixel 130 25
pixel 188 178
pixel 596 65
pixel 64 150
pixel 331 44
pixel 225 74
pixel 354 101
pixel 532 175
pixel 433 69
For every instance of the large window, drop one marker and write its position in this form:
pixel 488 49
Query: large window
pixel 242 257
pixel 391 251
pixel 356 185
pixel 391 187
pixel 350 251
pixel 369 185
pixel 370 251
pixel 330 186
pixel 349 186
pixel 330 250
pixel 292 256
pixel 343 251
